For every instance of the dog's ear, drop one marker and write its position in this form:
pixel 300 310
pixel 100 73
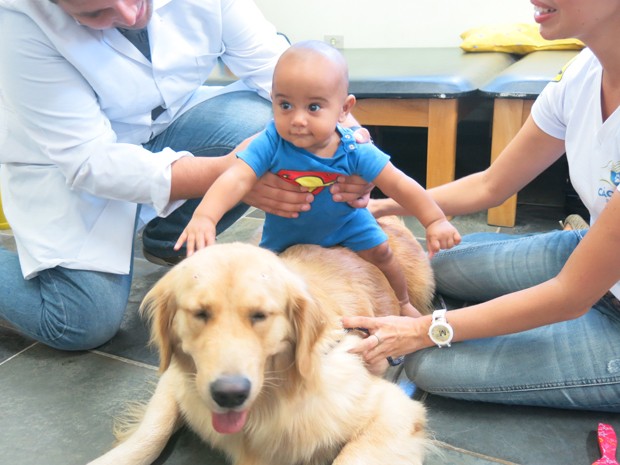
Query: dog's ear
pixel 308 326
pixel 159 307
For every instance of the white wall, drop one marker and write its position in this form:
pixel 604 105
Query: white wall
pixel 391 23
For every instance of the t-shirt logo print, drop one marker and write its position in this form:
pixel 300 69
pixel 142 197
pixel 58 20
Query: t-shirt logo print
pixel 313 180
pixel 611 182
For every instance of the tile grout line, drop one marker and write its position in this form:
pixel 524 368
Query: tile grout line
pixel 19 353
pixel 124 360
pixel 445 445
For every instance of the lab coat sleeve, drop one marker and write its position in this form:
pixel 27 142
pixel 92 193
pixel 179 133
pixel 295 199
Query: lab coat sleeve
pixel 60 123
pixel 252 45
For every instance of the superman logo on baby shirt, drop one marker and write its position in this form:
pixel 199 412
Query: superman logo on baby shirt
pixel 315 181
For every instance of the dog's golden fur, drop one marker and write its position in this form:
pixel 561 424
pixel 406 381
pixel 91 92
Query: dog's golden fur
pixel 255 361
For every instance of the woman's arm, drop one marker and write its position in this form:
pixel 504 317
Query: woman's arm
pixel 413 198
pixel 587 275
pixel 525 157
pixel 589 272
pixel 193 176
pixel 440 233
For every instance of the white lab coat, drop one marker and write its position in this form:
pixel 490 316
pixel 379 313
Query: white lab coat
pixel 75 107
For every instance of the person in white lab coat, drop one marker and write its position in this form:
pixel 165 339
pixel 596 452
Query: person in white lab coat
pixel 104 120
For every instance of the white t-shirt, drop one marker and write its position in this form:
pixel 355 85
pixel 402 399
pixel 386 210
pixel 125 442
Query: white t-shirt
pixel 569 108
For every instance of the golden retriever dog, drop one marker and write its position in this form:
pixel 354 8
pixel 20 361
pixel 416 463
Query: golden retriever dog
pixel 255 360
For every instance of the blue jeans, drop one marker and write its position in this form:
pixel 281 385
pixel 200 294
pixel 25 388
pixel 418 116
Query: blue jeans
pixel 77 309
pixel 63 308
pixel 573 364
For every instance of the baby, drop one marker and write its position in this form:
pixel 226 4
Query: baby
pixel 305 144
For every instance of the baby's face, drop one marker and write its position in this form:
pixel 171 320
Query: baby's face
pixel 308 101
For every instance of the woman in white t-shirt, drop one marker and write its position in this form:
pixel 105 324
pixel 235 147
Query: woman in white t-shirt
pixel 547 331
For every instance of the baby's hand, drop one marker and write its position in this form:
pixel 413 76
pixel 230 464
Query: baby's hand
pixel 441 235
pixel 199 233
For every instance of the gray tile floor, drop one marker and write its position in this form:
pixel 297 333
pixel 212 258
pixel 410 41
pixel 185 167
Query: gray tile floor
pixel 57 408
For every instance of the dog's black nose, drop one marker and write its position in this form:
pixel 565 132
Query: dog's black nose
pixel 230 391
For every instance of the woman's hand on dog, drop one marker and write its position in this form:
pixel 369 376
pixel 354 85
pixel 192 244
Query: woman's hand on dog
pixel 389 336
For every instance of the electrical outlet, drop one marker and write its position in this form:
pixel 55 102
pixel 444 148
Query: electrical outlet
pixel 335 41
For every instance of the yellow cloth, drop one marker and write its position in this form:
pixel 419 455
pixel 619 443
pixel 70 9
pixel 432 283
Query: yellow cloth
pixel 519 39
pixel 3 222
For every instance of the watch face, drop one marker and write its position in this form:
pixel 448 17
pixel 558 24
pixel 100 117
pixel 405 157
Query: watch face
pixel 440 333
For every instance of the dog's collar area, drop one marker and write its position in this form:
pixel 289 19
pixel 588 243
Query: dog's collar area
pixel 396 361
pixel 363 332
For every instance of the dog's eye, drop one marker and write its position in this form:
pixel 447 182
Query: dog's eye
pixel 202 315
pixel 257 316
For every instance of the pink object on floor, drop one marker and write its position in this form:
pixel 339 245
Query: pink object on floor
pixel 607 443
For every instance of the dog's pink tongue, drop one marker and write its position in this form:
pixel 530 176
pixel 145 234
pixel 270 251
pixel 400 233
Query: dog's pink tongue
pixel 228 423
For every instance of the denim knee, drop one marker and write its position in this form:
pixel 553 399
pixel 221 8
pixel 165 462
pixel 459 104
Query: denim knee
pixel 487 265
pixel 80 309
pixel 216 126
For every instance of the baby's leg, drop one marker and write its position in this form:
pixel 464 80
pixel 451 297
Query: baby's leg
pixel 382 257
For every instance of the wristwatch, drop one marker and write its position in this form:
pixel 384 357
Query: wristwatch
pixel 440 332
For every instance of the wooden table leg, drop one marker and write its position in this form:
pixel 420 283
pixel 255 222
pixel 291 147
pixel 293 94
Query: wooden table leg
pixel 443 118
pixel 508 117
pixel 440 116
